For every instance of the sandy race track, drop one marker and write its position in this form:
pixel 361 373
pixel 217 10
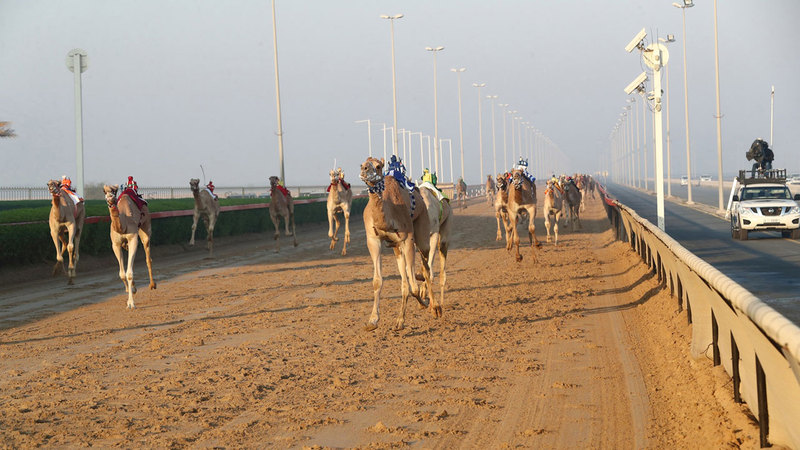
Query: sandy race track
pixel 263 350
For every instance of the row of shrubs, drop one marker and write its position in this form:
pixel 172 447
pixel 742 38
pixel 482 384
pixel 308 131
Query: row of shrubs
pixel 31 243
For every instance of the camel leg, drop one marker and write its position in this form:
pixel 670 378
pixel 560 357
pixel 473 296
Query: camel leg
pixel 71 251
pixel 346 230
pixel 133 244
pixel 532 235
pixel 145 238
pixel 442 276
pixel 514 241
pixel 547 225
pixel 54 233
pixel 400 256
pixel 336 225
pixel 374 247
pixel 212 222
pixel 274 216
pixel 294 235
pixel 436 307
pixel 194 225
pixel 499 233
pixel 331 233
pixel 555 227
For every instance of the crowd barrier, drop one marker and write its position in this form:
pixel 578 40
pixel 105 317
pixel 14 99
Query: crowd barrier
pixel 757 346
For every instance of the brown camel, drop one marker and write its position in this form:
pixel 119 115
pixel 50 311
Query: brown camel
pixel 521 198
pixel 439 219
pixel 281 205
pixel 129 224
pixel 339 199
pixel 461 193
pixel 553 207
pixel 501 206
pixel 393 216
pixel 490 190
pixel 66 224
pixel 206 205
pixel 573 200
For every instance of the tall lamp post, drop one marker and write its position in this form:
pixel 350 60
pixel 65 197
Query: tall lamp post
pixel 494 148
pixel 435 50
pixel 513 137
pixel 278 93
pixel 480 128
pixel 719 115
pixel 686 4
pixel 670 38
pixel 369 134
pixel 458 72
pixel 77 63
pixel 505 147
pixel 394 80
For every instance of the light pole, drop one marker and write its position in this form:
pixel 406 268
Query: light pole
pixel 771 114
pixel 505 148
pixel 494 149
pixel 513 137
pixel 686 4
pixel 644 135
pixel 369 134
pixel 480 128
pixel 421 157
pixel 77 63
pixel 403 132
pixel 278 93
pixel 394 80
pixel 384 139
pixel 435 50
pixel 670 38
pixel 429 150
pixel 719 114
pixel 460 120
pixel 450 147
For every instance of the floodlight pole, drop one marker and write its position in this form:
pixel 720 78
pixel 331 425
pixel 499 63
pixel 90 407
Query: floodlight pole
pixel 278 94
pixel 719 114
pixel 771 114
pixel 369 134
pixel 77 63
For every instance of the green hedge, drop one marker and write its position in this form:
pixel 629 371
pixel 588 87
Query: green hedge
pixel 31 243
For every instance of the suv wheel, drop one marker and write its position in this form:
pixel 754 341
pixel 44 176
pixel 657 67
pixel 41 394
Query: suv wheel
pixel 743 235
pixel 795 233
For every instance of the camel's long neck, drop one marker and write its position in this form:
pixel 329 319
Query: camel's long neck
pixel 196 195
pixel 113 212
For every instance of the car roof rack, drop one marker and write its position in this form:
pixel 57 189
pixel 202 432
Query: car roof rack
pixel 773 176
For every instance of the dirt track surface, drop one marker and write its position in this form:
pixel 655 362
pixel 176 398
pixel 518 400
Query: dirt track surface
pixel 257 349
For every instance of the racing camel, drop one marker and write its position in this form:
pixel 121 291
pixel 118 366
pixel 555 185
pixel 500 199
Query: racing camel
pixel 461 193
pixel 439 213
pixel 206 206
pixel 500 206
pixel 281 206
pixel 339 199
pixel 553 207
pixel 400 219
pixel 521 197
pixel 66 224
pixel 573 201
pixel 490 190
pixel 130 222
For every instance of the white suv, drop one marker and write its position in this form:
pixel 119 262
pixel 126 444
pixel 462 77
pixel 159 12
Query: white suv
pixel 760 204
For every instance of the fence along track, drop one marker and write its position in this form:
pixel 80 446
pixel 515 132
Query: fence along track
pixel 757 346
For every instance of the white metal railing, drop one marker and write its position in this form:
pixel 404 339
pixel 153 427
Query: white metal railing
pixel 757 346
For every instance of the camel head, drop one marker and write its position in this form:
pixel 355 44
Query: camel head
pixel 372 170
pixel 517 177
pixel 193 184
pixel 110 194
pixel 334 177
pixel 273 181
pixel 54 186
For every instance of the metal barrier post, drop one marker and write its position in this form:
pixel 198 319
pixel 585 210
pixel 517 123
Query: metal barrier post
pixel 715 338
pixel 763 416
pixel 737 380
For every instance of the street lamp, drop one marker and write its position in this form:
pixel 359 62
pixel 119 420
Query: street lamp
pixel 369 134
pixel 435 50
pixel 450 146
pixel 670 38
pixel 505 148
pixel 686 4
pixel 494 149
pixel 719 115
pixel 394 79
pixel 421 157
pixel 480 128
pixel 460 118
pixel 513 137
pixel 278 93
pixel 77 63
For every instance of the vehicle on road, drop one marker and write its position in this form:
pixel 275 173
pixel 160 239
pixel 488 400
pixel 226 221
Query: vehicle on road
pixel 763 204
pixel 705 177
pixel 794 178
pixel 684 180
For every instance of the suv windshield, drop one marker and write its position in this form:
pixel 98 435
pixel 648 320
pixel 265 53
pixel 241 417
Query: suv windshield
pixel 779 192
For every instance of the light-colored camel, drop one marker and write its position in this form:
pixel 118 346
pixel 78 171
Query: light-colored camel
pixel 129 224
pixel 281 206
pixel 206 206
pixel 553 207
pixel 490 190
pixel 580 182
pixel 66 225
pixel 439 219
pixel 573 197
pixel 461 193
pixel 339 200
pixel 500 206
pixel 393 216
pixel 521 199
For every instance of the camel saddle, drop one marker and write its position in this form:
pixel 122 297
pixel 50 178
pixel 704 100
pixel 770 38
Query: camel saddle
pixel 344 183
pixel 283 190
pixel 135 197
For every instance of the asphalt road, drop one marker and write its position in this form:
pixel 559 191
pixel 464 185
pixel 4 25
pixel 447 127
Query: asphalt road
pixel 767 264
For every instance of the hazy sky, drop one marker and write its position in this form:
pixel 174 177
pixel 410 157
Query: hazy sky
pixel 173 85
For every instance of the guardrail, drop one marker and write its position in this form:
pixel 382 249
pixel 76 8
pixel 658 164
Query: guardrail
pixel 757 346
